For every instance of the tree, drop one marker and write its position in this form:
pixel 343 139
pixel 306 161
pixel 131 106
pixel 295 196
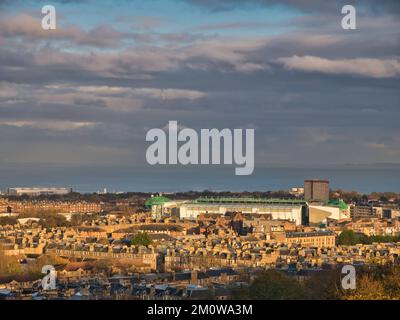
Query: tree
pixel 9 265
pixel 273 285
pixel 348 237
pixel 368 288
pixel 141 239
pixel 383 199
pixel 324 285
pixel 79 219
pixel 52 221
pixel 392 283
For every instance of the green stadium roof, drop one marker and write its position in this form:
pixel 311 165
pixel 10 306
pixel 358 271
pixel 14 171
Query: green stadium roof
pixel 248 200
pixel 337 203
pixel 156 201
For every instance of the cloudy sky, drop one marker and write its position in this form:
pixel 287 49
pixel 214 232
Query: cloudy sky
pixel 86 93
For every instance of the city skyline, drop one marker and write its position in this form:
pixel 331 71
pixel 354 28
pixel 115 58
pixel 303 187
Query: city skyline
pixel 193 157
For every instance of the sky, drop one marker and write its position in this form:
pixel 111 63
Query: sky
pixel 84 95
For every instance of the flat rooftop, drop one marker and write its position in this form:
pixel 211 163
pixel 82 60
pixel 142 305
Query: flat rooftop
pixel 227 200
pixel 309 234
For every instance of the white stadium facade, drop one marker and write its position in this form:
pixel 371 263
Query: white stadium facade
pixel 296 210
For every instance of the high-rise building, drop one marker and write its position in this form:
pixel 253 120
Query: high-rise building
pixel 316 190
pixel 357 211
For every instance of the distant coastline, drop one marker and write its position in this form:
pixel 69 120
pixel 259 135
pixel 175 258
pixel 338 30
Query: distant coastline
pixel 362 178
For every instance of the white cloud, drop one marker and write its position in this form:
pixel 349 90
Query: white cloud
pixel 48 125
pixel 169 94
pixel 110 91
pixel 374 68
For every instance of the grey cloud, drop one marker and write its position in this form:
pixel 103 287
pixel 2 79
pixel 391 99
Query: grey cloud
pixel 373 6
pixel 105 101
pixel 29 27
